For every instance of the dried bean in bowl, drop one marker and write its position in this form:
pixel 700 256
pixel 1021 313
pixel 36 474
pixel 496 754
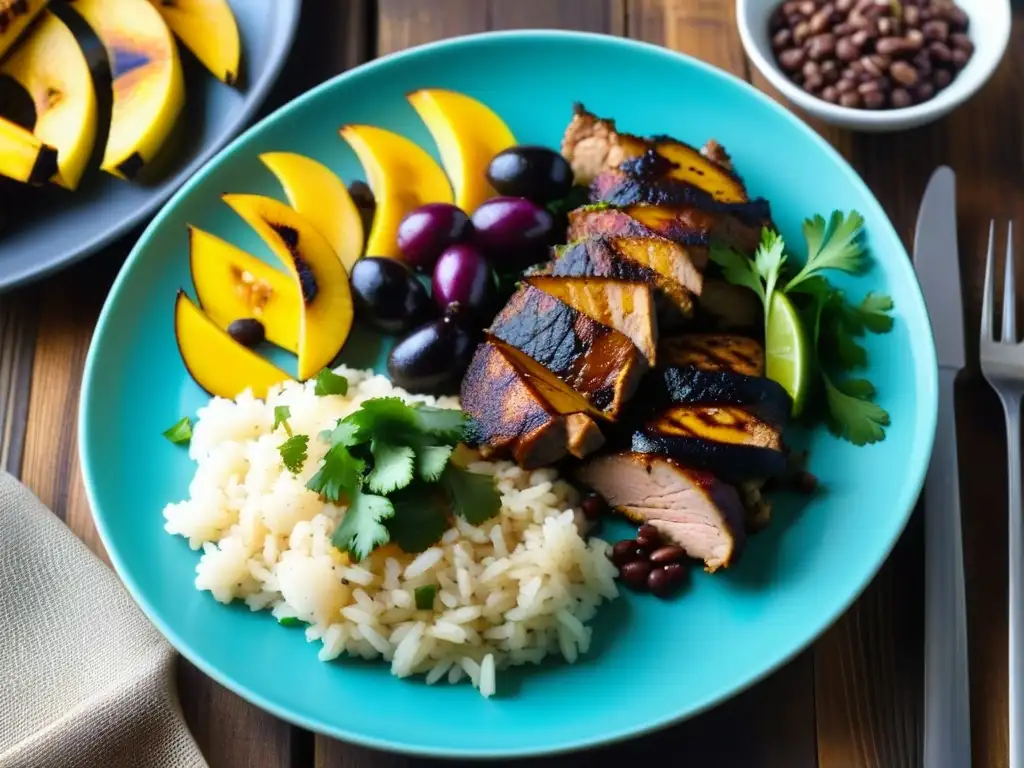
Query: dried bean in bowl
pixel 871 54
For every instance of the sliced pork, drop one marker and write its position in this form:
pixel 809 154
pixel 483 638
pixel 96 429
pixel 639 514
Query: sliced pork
pixel 689 507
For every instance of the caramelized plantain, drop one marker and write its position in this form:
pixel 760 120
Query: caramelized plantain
pixel 713 352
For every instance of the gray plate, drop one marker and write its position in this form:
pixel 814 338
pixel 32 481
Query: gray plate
pixel 69 226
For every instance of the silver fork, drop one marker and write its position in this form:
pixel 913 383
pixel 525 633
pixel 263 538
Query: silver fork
pixel 1002 362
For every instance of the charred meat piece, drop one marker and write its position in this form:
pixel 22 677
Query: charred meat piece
pixel 737 225
pixel 727 440
pixel 600 363
pixel 670 260
pixel 689 507
pixel 728 307
pixel 592 145
pixel 761 397
pixel 628 307
pixel 562 398
pixel 713 352
pixel 595 257
pixel 583 435
pixel 510 417
pixel 603 220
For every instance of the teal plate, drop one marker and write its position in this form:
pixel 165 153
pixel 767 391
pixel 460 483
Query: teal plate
pixel 680 657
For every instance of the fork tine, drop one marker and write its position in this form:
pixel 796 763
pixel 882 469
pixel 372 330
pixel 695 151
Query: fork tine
pixel 988 297
pixel 1009 294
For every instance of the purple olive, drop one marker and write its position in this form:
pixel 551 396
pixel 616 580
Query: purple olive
pixel 464 276
pixel 388 295
pixel 513 230
pixel 425 232
pixel 536 173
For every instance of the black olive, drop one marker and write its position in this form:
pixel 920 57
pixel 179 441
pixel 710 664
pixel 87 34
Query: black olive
pixel 247 331
pixel 387 294
pixel 536 173
pixel 433 358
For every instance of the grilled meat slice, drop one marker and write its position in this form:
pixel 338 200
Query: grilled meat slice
pixel 584 436
pixel 600 363
pixel 713 352
pixel 670 260
pixel 595 257
pixel 562 398
pixel 604 220
pixel 727 440
pixel 510 417
pixel 761 397
pixel 593 145
pixel 737 225
pixel 628 307
pixel 728 307
pixel 689 507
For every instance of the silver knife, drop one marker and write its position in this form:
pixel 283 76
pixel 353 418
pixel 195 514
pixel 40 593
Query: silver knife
pixel 947 717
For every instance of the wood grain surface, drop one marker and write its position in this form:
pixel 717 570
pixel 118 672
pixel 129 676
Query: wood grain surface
pixel 851 701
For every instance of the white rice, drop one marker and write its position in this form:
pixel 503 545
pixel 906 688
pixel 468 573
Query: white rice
pixel 520 587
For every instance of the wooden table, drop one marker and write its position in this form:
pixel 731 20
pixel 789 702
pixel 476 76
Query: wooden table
pixel 854 698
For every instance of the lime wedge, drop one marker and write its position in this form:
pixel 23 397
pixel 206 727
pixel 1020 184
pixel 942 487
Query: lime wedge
pixel 788 351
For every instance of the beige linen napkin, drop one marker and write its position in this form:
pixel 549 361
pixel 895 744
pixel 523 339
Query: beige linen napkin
pixel 85 679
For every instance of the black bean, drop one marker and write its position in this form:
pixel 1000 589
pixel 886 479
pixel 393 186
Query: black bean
pixel 820 46
pixel 942 78
pixel 247 331
pixel 846 49
pixel 874 100
pixel 830 94
pixel 851 99
pixel 792 59
pixel 936 29
pixel 960 59
pixel 900 99
pixel 911 15
pixel 593 506
pixel 801 32
pixel 624 552
pixel 647 536
pixel 845 85
pixel 667 554
pixel 925 91
pixel 962 42
pixel 940 52
pixel 635 574
pixel 782 40
pixel 665 580
pixel 914 40
pixel 903 73
pixel 890 45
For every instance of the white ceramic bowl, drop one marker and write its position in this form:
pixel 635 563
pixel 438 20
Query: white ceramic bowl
pixel 990 30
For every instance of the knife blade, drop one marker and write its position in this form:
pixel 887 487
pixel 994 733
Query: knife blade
pixel 947 719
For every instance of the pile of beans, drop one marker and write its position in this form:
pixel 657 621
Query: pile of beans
pixel 647 563
pixel 871 54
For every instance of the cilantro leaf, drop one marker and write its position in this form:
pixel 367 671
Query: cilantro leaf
pixel 339 477
pixel 389 418
pixel 343 433
pixel 852 415
pixel 293 452
pixel 447 424
pixel 848 353
pixel 392 467
pixel 330 383
pixel 768 261
pixel 362 529
pixel 181 432
pixel 425 597
pixel 871 314
pixel 281 415
pixel 836 244
pixel 289 621
pixel 473 496
pixel 738 269
pixel 431 461
pixel 420 519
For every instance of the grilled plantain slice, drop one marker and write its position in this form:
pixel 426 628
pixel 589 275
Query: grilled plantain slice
pixel 713 352
pixel 670 260
pixel 727 440
pixel 510 417
pixel 628 307
pixel 762 397
pixel 606 220
pixel 562 398
pixel 595 257
pixel 600 363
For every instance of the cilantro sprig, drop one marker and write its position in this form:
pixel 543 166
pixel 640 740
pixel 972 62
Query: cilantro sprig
pixel 837 325
pixel 390 462
pixel 180 433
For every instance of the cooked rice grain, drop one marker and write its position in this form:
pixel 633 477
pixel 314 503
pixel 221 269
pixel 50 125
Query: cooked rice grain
pixel 512 591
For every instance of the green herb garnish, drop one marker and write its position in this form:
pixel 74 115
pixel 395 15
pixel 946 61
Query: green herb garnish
pixel 836 324
pixel 390 462
pixel 425 597
pixel 289 621
pixel 330 383
pixel 293 452
pixel 181 432
pixel 281 415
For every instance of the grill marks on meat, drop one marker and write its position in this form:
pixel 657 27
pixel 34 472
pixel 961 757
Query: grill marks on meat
pixel 628 307
pixel 714 352
pixel 689 507
pixel 634 221
pixel 600 363
pixel 511 418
